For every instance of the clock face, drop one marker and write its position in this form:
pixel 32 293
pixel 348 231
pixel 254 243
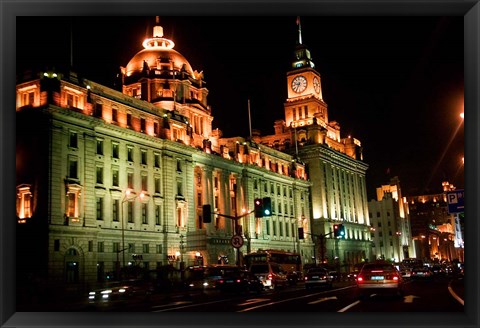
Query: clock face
pixel 299 84
pixel 316 84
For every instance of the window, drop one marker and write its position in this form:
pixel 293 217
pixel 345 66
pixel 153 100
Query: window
pixel 179 166
pixel 129 120
pixel 129 154
pixel 27 98
pixel 115 150
pixel 72 100
pixel 99 147
pixel 73 193
pixel 73 168
pixel 114 115
pixel 146 248
pixel 130 180
pixel 294 113
pixel 144 182
pixel 156 160
pixel 305 111
pixel 99 175
pixel 99 208
pixel 24 201
pixel 215 182
pixel 280 226
pixel 159 249
pixel 144 213
pixel 179 188
pixel 131 248
pixel 115 177
pixel 144 157
pixel 98 112
pixel 116 247
pixel 73 139
pixel 142 125
pixel 157 185
pixel 115 207
pixel 274 224
pixel 90 245
pixel 155 128
pixel 130 212
pixel 56 245
pixel 100 247
pixel 157 215
pixel 267 226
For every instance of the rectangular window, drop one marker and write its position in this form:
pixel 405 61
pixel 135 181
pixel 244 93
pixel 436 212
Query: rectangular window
pixel 130 211
pixel 129 120
pixel 179 188
pixel 100 247
pixel 157 215
pixel 73 168
pixel 144 157
pixel 90 245
pixel 130 154
pixel 306 111
pixel 115 177
pixel 294 114
pixel 115 150
pixel 73 139
pixel 146 248
pixel 144 214
pixel 131 248
pixel 56 245
pixel 99 202
pixel 72 100
pixel 98 110
pixel 274 224
pixel 157 185
pixel 99 147
pixel 114 115
pixel 156 160
pixel 142 124
pixel 215 182
pixel 280 228
pixel 144 182
pixel 155 128
pixel 267 226
pixel 130 180
pixel 159 249
pixel 71 206
pixel 115 208
pixel 99 175
pixel 116 247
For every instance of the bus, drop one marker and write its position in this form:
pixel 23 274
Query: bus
pixel 290 262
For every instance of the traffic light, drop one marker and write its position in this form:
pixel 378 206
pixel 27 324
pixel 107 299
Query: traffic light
pixel 341 231
pixel 267 206
pixel 300 233
pixel 258 202
pixel 207 213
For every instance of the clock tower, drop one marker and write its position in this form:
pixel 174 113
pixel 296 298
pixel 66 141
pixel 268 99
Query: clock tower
pixel 304 105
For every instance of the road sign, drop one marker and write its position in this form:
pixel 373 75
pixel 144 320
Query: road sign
pixel 455 200
pixel 237 241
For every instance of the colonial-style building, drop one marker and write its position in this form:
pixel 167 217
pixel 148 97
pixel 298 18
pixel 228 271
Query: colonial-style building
pixel 335 163
pixel 390 220
pixel 109 179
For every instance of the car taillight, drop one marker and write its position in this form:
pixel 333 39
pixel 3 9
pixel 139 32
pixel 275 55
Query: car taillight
pixel 306 278
pixel 238 280
pixel 359 279
pixel 270 277
pixel 395 278
pixel 220 281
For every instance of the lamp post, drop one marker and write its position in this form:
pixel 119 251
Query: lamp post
pixel 125 199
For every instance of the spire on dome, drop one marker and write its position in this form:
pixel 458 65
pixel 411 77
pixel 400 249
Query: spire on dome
pixel 158 40
pixel 299 30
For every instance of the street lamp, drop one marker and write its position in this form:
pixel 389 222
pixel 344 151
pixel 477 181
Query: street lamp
pixel 126 198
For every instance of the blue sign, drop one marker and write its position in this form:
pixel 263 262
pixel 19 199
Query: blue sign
pixel 455 201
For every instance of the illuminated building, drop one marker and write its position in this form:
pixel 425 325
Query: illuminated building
pixel 335 164
pixel 109 179
pixel 437 234
pixel 390 220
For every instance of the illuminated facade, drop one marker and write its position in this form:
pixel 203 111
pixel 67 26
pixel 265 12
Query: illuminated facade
pixel 109 179
pixel 335 164
pixel 390 219
pixel 437 234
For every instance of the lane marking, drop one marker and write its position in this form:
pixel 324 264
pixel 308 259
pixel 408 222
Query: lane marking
pixel 172 304
pixel 323 299
pixel 253 301
pixel 409 298
pixel 455 296
pixel 348 306
pixel 187 306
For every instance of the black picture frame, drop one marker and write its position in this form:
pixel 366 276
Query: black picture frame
pixel 470 10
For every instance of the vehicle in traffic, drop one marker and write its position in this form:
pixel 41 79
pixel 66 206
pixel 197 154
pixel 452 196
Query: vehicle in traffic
pixel 438 270
pixel 240 281
pixel 207 279
pixel 422 273
pixel 352 276
pixel 379 277
pixel 270 274
pixel 317 277
pixel 121 292
pixel 290 262
pixel 412 262
pixel 405 271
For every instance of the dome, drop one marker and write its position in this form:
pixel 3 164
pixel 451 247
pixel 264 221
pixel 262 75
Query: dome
pixel 151 55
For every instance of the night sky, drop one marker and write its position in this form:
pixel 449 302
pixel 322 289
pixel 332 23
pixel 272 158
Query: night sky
pixel 394 83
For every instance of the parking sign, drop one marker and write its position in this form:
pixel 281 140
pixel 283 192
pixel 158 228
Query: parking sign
pixel 455 201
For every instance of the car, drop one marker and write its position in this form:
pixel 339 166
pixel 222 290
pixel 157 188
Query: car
pixel 405 271
pixel 438 270
pixel 352 276
pixel 206 280
pixel 317 277
pixel 270 274
pixel 240 281
pixel 120 293
pixel 379 277
pixel 422 273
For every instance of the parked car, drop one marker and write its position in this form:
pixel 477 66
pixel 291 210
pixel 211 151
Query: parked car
pixel 317 277
pixel 379 277
pixel 270 274
pixel 422 273
pixel 240 280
